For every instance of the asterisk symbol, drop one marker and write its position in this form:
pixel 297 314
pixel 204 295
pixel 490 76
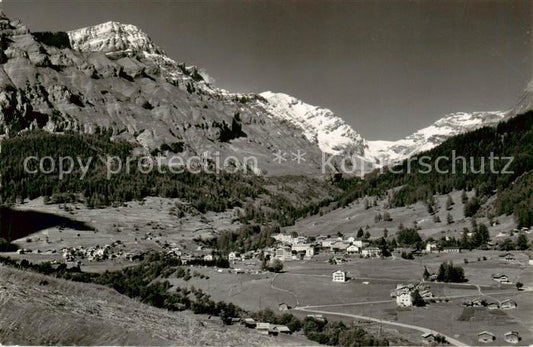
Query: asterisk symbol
pixel 279 156
pixel 298 156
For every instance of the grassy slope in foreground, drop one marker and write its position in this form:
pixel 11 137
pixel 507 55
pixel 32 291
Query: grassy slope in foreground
pixel 40 310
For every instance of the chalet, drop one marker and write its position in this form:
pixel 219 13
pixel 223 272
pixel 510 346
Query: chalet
pixel 264 328
pixel 327 243
pixel 282 329
pixel 233 256
pixel 426 294
pixel 477 302
pixel 339 246
pixel 308 250
pixel 503 279
pixel 353 249
pixel 359 243
pixel 339 276
pixel 283 253
pixel 404 299
pixel 429 337
pixel 493 306
pixel 451 250
pixel 400 289
pixel 485 337
pixel 249 323
pixel 512 337
pixel 431 247
pixel 208 257
pixel 508 304
pixel 283 238
pixel 299 240
pixel 283 307
pixel 371 252
pixel 338 260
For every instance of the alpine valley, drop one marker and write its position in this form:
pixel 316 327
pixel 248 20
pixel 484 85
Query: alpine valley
pixel 284 254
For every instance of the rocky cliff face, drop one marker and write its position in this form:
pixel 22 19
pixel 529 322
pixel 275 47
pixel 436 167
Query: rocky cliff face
pixel 113 76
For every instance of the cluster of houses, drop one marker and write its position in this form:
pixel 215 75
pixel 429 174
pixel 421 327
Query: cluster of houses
pixel 96 253
pixel 300 247
pixel 273 329
pixel 501 278
pixel 433 247
pixel 507 304
pixel 266 328
pixel 509 233
pixel 509 337
pixel 509 258
pixel 403 293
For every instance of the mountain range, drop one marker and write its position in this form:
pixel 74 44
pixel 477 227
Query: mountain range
pixel 113 77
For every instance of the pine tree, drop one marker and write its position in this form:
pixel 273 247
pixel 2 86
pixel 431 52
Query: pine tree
pixel 522 242
pixel 426 274
pixel 449 203
pixel 449 218
pixel 417 299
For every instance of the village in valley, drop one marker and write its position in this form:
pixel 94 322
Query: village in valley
pixel 433 292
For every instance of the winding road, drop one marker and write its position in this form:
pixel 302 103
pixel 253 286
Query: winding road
pixel 423 330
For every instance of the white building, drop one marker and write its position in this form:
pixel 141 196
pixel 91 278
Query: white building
pixel 233 256
pixel 353 249
pixel 358 243
pixel 283 253
pixel 339 246
pixel 327 243
pixel 304 247
pixel 431 247
pixel 339 276
pixel 371 252
pixel 404 299
pixel 283 238
pixel 299 240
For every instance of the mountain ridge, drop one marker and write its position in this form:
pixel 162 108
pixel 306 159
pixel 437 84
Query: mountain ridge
pixel 116 77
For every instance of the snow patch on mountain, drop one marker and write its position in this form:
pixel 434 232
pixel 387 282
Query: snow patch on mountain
pixel 386 152
pixel 320 125
pixel 112 37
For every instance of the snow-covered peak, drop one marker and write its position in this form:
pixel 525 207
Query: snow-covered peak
pixel 386 152
pixel 112 37
pixel 320 125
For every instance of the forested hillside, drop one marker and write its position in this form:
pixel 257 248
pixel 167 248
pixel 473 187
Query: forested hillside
pixel 416 182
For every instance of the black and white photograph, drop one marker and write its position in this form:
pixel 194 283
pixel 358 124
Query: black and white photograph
pixel 266 172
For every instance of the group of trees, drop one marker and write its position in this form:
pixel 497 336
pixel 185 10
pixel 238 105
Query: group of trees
pixel 339 334
pixel 521 243
pixel 408 237
pixel 204 191
pixel 450 273
pixel 275 265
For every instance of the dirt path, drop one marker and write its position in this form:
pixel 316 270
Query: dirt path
pixel 451 340
pixel 283 290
